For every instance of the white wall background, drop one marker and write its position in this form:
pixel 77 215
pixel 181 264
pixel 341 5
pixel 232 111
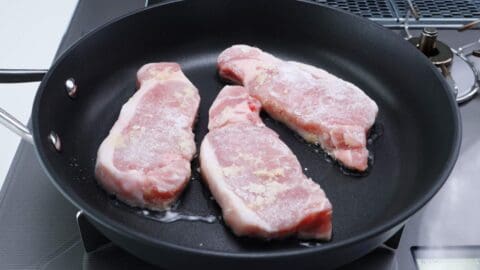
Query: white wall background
pixel 30 33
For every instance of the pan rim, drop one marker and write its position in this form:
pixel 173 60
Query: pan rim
pixel 119 228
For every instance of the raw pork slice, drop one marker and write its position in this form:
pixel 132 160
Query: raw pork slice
pixel 321 107
pixel 145 160
pixel 255 177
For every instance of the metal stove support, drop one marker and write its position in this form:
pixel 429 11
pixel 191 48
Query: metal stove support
pixel 394 241
pixel 92 238
pixel 463 54
pixel 413 10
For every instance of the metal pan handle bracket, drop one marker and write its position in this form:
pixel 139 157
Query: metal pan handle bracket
pixel 16 76
pixel 16 126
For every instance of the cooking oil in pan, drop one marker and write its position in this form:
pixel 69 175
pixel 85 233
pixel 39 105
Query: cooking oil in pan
pixel 375 132
pixel 168 216
pixel 309 244
pixel 172 216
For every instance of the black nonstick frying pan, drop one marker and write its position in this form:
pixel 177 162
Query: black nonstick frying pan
pixel 81 95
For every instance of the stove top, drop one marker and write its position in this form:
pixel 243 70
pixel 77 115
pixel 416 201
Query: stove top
pixel 38 227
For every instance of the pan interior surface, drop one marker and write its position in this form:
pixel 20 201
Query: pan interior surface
pixel 411 159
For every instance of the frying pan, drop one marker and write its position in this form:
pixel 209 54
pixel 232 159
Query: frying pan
pixel 81 95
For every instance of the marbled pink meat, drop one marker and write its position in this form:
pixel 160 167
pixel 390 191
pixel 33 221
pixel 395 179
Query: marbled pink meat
pixel 321 107
pixel 145 159
pixel 255 177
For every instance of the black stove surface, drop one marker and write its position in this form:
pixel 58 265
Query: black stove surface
pixel 38 228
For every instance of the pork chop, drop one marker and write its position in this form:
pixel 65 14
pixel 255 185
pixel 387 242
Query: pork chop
pixel 145 159
pixel 255 178
pixel 319 106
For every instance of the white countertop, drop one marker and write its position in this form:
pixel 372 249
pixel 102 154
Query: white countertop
pixel 31 32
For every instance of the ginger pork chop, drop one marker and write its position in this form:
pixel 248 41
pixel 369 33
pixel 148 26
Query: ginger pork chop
pixel 319 106
pixel 254 176
pixel 145 159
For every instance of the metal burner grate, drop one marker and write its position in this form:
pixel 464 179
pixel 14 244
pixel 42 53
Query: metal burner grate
pixel 390 13
pixel 443 9
pixel 446 13
pixel 364 8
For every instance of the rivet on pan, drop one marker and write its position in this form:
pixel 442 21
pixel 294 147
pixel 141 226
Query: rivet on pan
pixel 55 140
pixel 71 87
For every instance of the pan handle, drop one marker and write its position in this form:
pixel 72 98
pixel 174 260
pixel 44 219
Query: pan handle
pixel 16 76
pixel 21 75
